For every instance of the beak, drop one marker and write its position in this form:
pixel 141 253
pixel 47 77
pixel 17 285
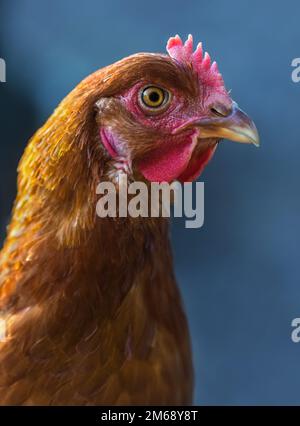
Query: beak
pixel 236 126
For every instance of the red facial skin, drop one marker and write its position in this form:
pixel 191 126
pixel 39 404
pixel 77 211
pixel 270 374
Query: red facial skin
pixel 177 155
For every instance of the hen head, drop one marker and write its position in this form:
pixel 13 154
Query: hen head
pixel 162 116
pixel 158 117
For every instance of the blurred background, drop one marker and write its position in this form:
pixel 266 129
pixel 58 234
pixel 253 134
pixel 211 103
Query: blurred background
pixel 239 274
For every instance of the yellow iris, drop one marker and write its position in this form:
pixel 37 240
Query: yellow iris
pixel 153 97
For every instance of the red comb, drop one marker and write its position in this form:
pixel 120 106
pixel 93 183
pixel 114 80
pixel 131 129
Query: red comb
pixel 183 53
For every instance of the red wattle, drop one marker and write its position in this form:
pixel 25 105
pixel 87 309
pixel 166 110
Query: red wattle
pixel 197 165
pixel 168 161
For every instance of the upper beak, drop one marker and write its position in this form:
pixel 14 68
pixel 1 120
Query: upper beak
pixel 235 125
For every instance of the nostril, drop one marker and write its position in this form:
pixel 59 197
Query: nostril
pixel 221 110
pixel 216 112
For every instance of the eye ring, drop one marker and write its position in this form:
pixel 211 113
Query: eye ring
pixel 153 98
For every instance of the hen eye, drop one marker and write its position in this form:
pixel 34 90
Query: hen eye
pixel 154 97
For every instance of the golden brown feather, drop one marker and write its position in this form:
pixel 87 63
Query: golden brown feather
pixel 92 308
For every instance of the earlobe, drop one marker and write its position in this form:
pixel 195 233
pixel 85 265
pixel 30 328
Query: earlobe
pixel 108 141
pixel 107 109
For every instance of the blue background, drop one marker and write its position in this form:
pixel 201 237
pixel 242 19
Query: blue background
pixel 239 274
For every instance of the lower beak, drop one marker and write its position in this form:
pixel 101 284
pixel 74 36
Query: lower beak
pixel 236 126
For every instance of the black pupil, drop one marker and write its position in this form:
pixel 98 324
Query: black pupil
pixel 154 97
